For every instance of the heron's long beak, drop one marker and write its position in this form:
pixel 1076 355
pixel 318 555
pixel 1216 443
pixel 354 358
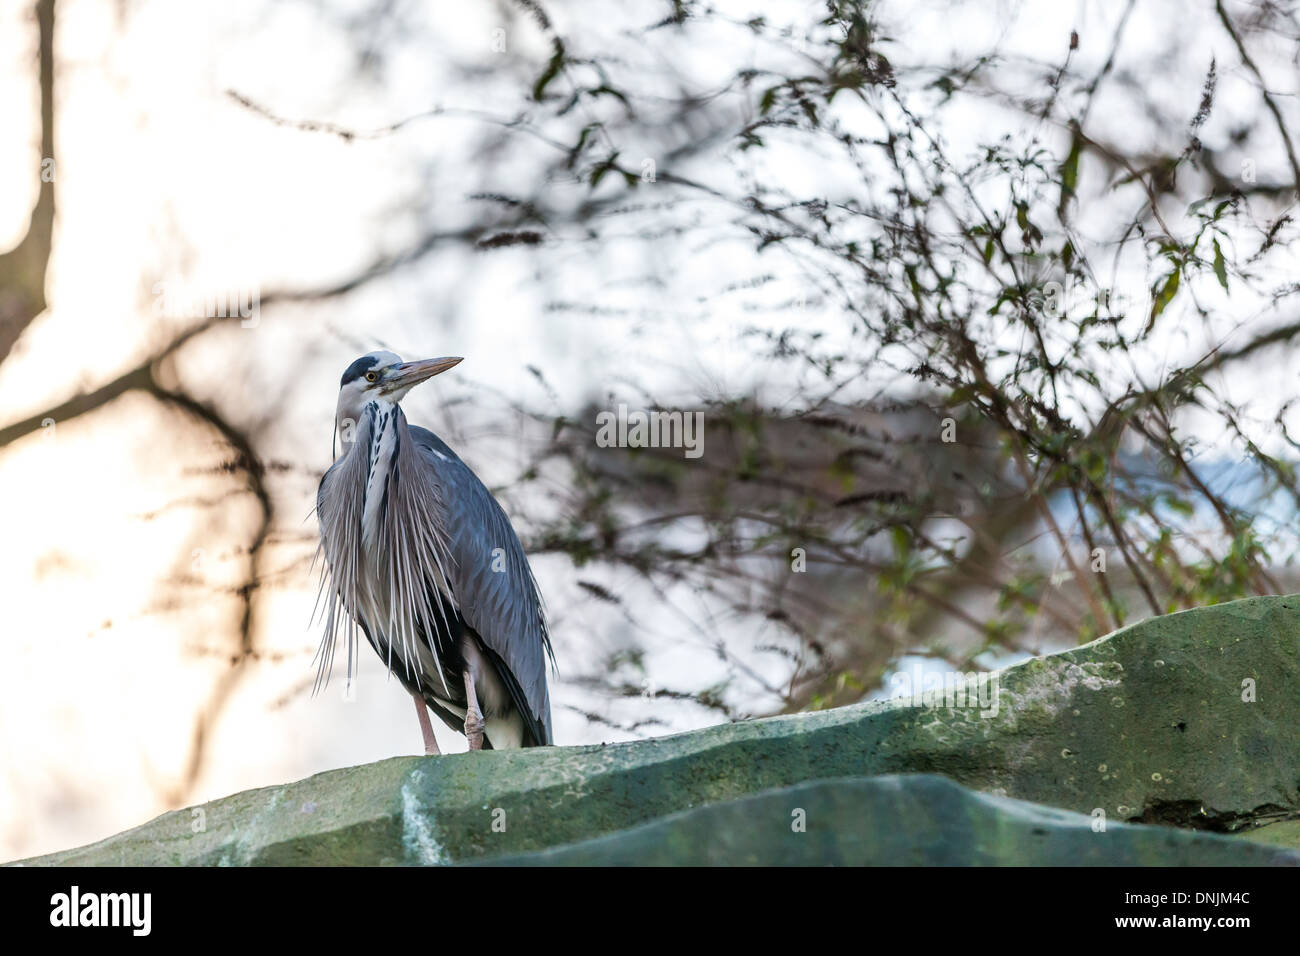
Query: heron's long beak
pixel 413 373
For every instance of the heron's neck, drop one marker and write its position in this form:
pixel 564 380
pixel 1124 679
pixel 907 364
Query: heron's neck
pixel 387 429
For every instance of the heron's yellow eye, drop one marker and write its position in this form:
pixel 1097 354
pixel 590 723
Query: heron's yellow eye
pixel 371 377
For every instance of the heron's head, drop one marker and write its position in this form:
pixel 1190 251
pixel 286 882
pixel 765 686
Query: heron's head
pixel 383 377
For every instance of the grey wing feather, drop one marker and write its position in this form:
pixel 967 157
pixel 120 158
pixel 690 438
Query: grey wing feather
pixel 503 606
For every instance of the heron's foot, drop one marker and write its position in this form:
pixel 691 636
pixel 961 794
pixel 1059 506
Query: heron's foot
pixel 474 726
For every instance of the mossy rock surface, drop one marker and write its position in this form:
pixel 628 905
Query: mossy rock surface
pixel 1191 719
pixel 854 822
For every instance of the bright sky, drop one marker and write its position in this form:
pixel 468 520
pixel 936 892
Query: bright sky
pixel 165 185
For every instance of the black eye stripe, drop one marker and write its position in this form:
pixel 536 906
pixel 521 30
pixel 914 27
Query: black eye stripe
pixel 358 369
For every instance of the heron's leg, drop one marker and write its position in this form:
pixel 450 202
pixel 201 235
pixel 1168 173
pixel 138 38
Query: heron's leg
pixel 426 728
pixel 474 723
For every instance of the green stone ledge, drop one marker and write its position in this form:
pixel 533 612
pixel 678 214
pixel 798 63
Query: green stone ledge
pixel 1145 725
pixel 911 820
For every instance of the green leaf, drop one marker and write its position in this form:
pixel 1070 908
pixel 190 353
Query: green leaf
pixel 598 172
pixel 605 90
pixel 902 541
pixel 552 70
pixel 1070 170
pixel 1163 296
pixel 583 139
pixel 1220 267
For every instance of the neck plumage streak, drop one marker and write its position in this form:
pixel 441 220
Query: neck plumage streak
pixel 393 598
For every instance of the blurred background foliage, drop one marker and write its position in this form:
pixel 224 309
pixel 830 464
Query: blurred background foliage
pixel 1027 437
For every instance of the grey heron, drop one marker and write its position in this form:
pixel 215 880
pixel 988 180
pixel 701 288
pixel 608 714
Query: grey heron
pixel 422 559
